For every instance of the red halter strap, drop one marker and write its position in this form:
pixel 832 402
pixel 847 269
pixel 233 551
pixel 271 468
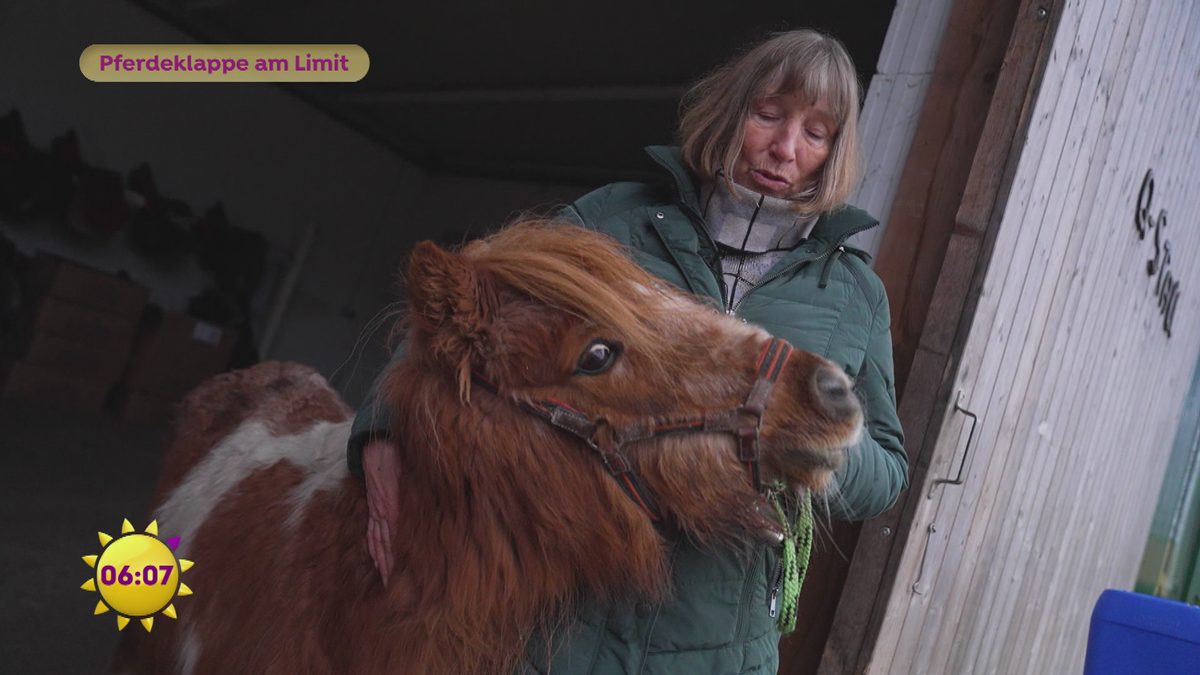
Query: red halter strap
pixel 607 441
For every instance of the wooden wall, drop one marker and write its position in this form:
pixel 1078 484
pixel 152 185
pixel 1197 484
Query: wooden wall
pixel 934 176
pixel 892 106
pixel 889 123
pixel 1077 388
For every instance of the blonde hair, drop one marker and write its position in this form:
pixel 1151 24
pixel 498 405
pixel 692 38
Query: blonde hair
pixel 715 110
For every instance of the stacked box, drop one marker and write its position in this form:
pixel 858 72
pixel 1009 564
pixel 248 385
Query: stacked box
pixel 75 336
pixel 172 354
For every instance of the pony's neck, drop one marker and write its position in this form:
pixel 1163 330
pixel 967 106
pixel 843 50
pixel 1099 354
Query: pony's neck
pixel 504 521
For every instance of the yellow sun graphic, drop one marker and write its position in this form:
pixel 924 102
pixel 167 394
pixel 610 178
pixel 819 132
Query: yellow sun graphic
pixel 137 575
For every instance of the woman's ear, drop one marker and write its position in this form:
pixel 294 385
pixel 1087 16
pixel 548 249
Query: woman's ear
pixel 448 309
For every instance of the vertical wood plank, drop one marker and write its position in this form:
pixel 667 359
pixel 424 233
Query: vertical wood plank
pixel 893 104
pixel 973 643
pixel 1101 511
pixel 1011 310
pixel 1055 358
pixel 1023 473
pixel 1062 358
pixel 863 611
pixel 1050 565
pixel 921 217
pixel 1061 352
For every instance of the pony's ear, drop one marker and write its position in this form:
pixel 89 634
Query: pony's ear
pixel 447 302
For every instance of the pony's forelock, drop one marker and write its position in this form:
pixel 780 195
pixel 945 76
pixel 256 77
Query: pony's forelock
pixel 583 273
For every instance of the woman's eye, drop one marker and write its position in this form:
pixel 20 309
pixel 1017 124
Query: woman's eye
pixel 597 357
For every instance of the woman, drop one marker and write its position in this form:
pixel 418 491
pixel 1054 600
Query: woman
pixel 751 215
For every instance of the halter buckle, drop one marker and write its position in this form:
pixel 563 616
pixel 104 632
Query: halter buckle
pixel 603 442
pixel 748 450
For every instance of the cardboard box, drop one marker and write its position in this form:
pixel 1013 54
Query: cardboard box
pixel 169 359
pixel 77 357
pixel 143 408
pixel 52 276
pixel 74 339
pixel 61 318
pixel 61 390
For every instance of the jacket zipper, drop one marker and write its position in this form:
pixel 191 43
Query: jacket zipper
pixel 698 223
pixel 762 282
pixel 773 599
pixel 748 585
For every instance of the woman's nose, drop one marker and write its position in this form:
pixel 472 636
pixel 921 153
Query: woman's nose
pixel 783 146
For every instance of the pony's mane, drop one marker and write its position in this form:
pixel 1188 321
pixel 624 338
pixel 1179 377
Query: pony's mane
pixel 581 272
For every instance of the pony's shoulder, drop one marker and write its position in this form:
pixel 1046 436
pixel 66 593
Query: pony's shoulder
pixel 286 397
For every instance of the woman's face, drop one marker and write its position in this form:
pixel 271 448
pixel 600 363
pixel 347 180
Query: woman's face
pixel 785 145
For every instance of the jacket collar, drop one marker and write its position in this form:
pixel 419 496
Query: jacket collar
pixel 832 229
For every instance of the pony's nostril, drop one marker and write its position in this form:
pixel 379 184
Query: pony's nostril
pixel 831 383
pixel 834 390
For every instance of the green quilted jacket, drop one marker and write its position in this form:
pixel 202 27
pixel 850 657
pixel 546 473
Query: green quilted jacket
pixel 822 297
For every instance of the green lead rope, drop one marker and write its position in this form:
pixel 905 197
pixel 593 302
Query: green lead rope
pixel 797 545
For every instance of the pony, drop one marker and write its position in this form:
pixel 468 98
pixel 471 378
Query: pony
pixel 556 408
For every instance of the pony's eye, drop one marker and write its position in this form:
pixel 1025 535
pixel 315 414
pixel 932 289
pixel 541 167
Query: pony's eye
pixel 597 357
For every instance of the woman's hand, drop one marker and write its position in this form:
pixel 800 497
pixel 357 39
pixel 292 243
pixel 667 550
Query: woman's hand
pixel 382 470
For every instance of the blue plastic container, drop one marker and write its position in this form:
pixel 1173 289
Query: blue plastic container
pixel 1135 634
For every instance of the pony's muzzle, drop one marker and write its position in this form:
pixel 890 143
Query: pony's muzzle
pixel 833 391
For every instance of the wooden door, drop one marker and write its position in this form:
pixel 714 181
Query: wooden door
pixel 1061 352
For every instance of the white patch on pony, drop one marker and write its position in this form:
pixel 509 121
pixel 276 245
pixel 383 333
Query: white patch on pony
pixel 249 448
pixel 327 468
pixel 856 436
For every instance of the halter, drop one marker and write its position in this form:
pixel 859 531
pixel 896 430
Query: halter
pixel 607 441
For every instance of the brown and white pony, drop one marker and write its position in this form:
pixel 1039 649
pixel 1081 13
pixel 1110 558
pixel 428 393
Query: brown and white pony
pixel 507 518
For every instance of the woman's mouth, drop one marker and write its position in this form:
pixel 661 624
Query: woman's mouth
pixel 769 180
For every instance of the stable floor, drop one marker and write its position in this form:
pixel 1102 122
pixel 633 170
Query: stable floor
pixel 63 478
